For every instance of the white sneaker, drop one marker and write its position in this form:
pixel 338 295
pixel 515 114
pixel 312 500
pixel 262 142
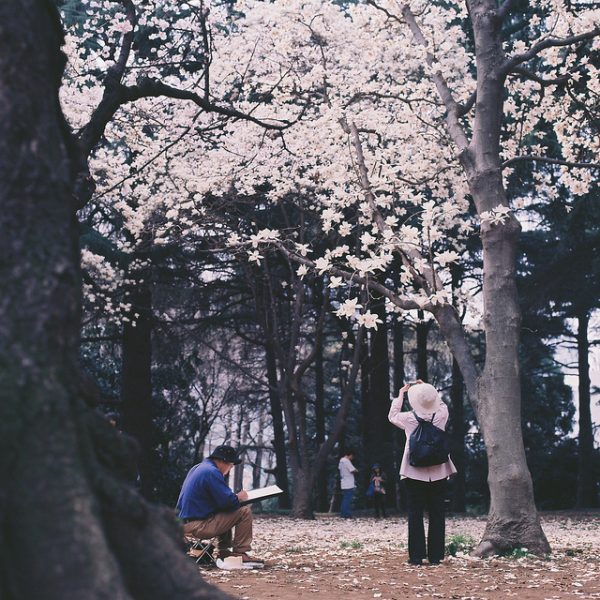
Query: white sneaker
pixel 234 563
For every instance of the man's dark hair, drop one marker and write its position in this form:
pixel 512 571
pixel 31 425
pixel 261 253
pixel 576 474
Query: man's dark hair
pixel 348 451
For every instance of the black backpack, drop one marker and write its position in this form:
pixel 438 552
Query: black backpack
pixel 428 444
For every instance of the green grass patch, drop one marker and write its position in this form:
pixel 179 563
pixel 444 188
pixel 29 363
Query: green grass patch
pixel 353 544
pixel 459 544
pixel 518 552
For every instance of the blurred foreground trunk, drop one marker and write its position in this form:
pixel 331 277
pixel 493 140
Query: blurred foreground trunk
pixel 72 527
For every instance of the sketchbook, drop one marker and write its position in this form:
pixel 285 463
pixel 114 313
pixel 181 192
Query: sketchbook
pixel 262 493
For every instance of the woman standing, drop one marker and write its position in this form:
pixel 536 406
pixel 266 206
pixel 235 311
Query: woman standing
pixel 425 486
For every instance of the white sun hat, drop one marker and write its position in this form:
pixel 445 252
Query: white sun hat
pixel 424 398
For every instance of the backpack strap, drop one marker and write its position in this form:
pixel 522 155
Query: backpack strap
pixel 420 420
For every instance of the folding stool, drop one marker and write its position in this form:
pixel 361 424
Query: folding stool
pixel 202 551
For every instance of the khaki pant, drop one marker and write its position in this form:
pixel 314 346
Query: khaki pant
pixel 221 525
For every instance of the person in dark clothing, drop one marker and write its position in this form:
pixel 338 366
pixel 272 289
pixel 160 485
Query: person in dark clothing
pixel 377 482
pixel 425 486
pixel 208 507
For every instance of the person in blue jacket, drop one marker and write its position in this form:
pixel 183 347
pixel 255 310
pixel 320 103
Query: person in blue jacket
pixel 208 507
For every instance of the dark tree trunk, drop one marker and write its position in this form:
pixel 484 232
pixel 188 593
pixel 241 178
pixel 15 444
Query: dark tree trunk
pixel 586 483
pixel 258 458
pixel 136 385
pixel 457 416
pixel 62 488
pixel 241 438
pixel 381 431
pixel 321 483
pixel 422 335
pixel 513 519
pixel 281 470
pixel 399 435
pixel 365 397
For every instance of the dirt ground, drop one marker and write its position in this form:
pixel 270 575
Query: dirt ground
pixel 366 558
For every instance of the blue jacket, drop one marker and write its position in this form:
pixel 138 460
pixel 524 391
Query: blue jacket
pixel 204 493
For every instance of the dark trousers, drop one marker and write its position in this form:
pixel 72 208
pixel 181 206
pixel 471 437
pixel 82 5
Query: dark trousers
pixel 426 495
pixel 379 504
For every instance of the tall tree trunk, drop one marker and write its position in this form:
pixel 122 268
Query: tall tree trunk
pixel 399 434
pixel 136 385
pixel 302 506
pixel 422 335
pixel 62 488
pixel 258 457
pixel 365 398
pixel 513 519
pixel 381 434
pixel 281 466
pixel 243 433
pixel 280 471
pixel 321 480
pixel 586 482
pixel 457 416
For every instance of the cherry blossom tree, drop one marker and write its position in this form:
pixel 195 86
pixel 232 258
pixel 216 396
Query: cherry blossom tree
pixel 411 114
pixel 417 112
pixel 139 84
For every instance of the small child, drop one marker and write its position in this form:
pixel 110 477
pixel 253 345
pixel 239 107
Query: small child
pixel 378 483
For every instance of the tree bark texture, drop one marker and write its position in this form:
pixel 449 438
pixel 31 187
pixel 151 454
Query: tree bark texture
pixel 281 468
pixel 72 527
pixel 378 430
pixel 457 438
pixel 262 302
pixel 399 434
pixel 586 482
pixel 513 519
pixel 422 331
pixel 321 498
pixel 495 392
pixel 136 384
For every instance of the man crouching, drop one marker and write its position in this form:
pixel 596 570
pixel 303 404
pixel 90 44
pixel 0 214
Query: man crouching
pixel 208 507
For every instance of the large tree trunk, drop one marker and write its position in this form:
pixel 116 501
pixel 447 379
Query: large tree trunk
pixel 513 519
pixel 399 434
pixel 457 437
pixel 280 471
pixel 322 500
pixel 586 483
pixel 61 492
pixel 281 466
pixel 136 385
pixel 321 484
pixel 302 504
pixel 422 331
pixel 380 438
